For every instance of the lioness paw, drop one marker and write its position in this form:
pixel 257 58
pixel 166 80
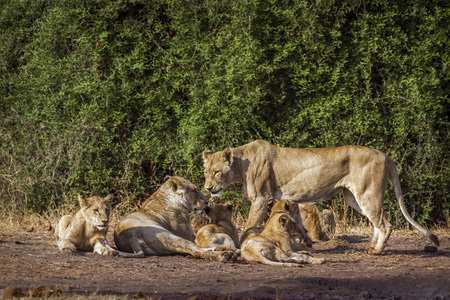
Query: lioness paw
pixel 228 255
pixel 100 249
pixel 372 251
pixel 69 250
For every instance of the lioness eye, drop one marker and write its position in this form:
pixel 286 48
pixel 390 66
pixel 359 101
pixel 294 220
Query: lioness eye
pixel 96 211
pixel 216 173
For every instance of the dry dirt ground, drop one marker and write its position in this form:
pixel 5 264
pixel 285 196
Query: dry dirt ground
pixel 29 258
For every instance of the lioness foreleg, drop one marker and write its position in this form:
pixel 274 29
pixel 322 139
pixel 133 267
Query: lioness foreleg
pixel 258 211
pixel 66 246
pixel 101 247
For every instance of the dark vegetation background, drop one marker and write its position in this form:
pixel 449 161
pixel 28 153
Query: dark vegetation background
pixel 101 96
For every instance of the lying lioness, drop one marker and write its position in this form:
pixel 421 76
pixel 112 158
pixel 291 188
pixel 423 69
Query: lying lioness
pixel 162 226
pixel 273 245
pixel 292 209
pixel 86 230
pixel 221 232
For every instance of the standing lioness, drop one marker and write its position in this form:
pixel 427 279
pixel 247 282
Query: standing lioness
pixel 162 226
pixel 310 176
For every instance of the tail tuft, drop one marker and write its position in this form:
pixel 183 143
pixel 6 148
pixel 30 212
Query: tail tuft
pixel 434 239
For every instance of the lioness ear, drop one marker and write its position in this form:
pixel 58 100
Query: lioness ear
pixel 175 184
pixel 287 207
pixel 226 154
pixel 206 154
pixel 271 202
pixel 283 220
pixel 108 198
pixel 82 201
pixel 207 210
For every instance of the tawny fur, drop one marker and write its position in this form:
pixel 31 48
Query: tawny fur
pixel 85 230
pixel 273 245
pixel 309 176
pixel 221 232
pixel 199 222
pixel 161 226
pixel 292 209
pixel 319 224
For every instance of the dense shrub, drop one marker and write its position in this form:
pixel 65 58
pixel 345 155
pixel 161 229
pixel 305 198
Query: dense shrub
pixel 110 96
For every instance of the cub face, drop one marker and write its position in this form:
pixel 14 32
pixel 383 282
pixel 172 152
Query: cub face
pixel 289 225
pixel 220 212
pixel 96 210
pixel 293 210
pixel 188 194
pixel 218 170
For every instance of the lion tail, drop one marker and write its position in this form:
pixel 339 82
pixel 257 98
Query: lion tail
pixel 398 193
pixel 139 254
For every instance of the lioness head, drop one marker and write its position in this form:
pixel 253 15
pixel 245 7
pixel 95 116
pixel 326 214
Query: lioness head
pixel 283 222
pixel 96 210
pixel 187 193
pixel 287 206
pixel 218 170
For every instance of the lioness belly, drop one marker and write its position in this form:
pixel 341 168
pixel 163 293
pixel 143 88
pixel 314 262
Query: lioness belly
pixel 310 180
pixel 306 192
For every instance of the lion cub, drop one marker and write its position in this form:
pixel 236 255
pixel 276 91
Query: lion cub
pixel 273 245
pixel 319 224
pixel 84 230
pixel 221 232
pixel 292 209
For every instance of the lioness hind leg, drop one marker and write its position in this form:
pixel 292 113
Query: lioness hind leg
pixel 62 226
pixel 381 233
pixel 275 257
pixel 371 206
pixel 379 240
pixel 305 259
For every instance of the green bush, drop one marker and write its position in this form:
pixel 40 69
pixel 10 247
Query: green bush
pixel 105 96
